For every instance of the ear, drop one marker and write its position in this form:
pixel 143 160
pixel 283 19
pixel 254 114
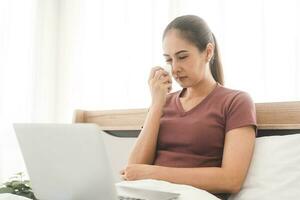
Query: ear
pixel 209 51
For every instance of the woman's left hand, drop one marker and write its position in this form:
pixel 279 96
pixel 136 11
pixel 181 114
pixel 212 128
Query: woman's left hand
pixel 138 171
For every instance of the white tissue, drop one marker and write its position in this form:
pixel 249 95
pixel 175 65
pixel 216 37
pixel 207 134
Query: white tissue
pixel 168 68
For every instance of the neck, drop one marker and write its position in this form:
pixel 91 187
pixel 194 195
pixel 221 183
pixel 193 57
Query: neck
pixel 200 90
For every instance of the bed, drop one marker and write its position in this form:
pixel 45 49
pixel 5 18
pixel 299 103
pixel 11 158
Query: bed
pixel 275 169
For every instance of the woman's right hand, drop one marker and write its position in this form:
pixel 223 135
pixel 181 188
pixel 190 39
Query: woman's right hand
pixel 160 83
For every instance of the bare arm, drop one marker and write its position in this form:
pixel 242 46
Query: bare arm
pixel 145 146
pixel 238 150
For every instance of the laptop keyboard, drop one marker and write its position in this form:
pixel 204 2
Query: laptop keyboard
pixel 128 198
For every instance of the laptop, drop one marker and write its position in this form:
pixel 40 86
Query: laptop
pixel 69 162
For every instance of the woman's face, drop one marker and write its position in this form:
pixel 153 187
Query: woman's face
pixel 189 65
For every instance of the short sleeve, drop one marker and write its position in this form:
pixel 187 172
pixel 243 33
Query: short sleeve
pixel 241 112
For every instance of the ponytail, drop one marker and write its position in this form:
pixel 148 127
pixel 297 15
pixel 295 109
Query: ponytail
pixel 215 64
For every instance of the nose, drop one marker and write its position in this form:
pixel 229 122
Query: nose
pixel 175 67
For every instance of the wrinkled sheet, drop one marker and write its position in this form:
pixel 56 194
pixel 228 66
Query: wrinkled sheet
pixel 186 192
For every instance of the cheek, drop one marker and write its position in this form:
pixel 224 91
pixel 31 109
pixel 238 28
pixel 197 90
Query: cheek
pixel 199 70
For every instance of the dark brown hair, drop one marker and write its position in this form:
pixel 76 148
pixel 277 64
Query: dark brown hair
pixel 195 30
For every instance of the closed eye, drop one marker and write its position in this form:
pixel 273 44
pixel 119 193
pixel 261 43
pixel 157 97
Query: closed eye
pixel 182 57
pixel 179 58
pixel 168 60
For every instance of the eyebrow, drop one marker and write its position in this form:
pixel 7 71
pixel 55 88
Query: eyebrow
pixel 178 52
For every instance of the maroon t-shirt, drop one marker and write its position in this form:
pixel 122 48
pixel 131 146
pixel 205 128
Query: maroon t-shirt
pixel 195 138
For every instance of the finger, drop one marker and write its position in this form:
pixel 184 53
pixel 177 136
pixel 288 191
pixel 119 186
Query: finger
pixel 153 70
pixel 165 73
pixel 124 177
pixel 168 85
pixel 165 79
pixel 122 172
pixel 169 78
pixel 159 74
pixel 169 88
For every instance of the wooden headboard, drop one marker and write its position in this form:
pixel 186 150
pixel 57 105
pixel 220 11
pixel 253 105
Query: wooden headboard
pixel 270 116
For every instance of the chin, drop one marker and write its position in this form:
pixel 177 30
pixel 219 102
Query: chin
pixel 183 85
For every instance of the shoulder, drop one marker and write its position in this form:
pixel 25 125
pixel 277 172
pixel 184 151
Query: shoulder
pixel 237 101
pixel 233 96
pixel 239 109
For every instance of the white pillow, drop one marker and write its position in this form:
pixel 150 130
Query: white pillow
pixel 274 173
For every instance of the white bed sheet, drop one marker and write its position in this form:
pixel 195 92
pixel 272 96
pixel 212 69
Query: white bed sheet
pixel 186 192
pixel 7 196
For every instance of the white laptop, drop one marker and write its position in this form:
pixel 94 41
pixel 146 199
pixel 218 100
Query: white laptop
pixel 69 162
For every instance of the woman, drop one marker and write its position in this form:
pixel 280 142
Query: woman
pixel 203 135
